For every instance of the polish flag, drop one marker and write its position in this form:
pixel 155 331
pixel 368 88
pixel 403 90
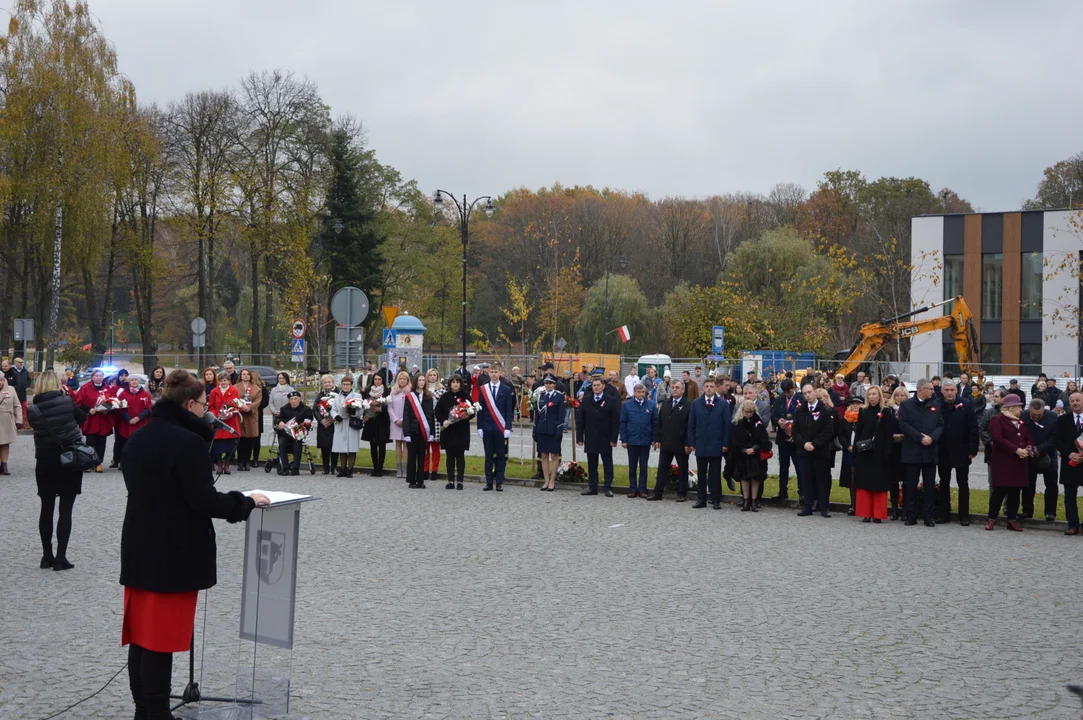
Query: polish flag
pixel 625 336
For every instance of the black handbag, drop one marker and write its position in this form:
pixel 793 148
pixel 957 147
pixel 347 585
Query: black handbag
pixel 75 457
pixel 356 423
pixel 866 446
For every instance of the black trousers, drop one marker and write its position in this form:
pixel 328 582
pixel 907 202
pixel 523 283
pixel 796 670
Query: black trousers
pixel 926 472
pixel 328 458
pixel 996 498
pixel 962 478
pixel 118 443
pixel 592 470
pixel 817 484
pixel 378 450
pixel 709 470
pixel 63 525
pixel 456 465
pixel 287 446
pixel 1049 476
pixel 98 443
pixel 149 676
pixel 786 453
pixel 247 449
pixel 665 459
pixel 415 460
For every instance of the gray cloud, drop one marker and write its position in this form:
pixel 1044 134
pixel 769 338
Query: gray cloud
pixel 692 98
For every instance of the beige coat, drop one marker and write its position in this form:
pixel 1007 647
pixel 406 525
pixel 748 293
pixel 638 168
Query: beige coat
pixel 250 419
pixel 11 414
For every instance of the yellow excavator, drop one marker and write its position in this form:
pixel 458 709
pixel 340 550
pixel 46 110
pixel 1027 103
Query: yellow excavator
pixel 875 336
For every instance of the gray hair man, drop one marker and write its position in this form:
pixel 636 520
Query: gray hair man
pixel 922 423
pixel 957 447
pixel 669 440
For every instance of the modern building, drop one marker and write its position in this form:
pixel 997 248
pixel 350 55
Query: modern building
pixel 1020 274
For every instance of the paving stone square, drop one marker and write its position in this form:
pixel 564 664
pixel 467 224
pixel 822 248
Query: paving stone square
pixel 522 604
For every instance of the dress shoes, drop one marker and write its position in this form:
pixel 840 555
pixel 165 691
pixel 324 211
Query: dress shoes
pixel 609 493
pixel 805 512
pixel 1026 515
pixel 62 564
pixel 1050 518
pixel 876 520
pixel 653 497
pixel 1072 531
pixel 699 504
pixel 825 514
pixel 1013 525
pixel 944 519
pixel 458 486
pixel 681 498
pixel 500 488
pixel 965 522
pixel 910 523
pixel 930 523
pixel 633 494
pixel 850 512
pixel 991 524
pixel 866 520
pixel 716 506
pixel 781 496
pixel 487 488
pixel 585 492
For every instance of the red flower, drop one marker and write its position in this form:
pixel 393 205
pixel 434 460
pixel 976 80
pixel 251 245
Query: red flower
pixel 932 408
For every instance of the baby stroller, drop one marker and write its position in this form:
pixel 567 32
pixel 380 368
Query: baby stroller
pixel 272 462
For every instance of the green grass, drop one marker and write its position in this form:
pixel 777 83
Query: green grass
pixel 522 470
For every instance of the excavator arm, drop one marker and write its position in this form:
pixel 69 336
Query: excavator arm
pixel 874 336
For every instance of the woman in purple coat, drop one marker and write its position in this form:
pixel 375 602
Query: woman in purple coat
pixel 1009 463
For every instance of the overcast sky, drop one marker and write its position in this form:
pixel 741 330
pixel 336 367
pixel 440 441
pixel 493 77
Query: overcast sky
pixel 670 98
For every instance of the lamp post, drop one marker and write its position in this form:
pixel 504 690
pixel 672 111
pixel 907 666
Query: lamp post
pixel 112 334
pixel 605 329
pixel 463 210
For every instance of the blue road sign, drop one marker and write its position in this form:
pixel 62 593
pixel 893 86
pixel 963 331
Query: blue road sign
pixel 298 350
pixel 718 340
pixel 391 340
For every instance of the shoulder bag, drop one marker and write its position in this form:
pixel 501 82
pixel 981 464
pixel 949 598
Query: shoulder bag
pixel 866 446
pixel 77 457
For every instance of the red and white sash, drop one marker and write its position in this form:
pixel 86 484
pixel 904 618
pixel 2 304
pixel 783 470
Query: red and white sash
pixel 419 414
pixel 490 403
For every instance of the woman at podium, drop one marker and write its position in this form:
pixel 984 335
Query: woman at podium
pixel 167 548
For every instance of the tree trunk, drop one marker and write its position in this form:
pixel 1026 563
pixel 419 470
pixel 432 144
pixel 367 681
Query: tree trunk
pixel 254 349
pixel 54 306
pixel 201 250
pixel 267 302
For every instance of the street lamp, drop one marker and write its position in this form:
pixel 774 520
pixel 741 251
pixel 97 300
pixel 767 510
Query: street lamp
pixel 463 210
pixel 605 329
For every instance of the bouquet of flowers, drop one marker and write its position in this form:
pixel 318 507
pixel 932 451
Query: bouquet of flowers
pixel 298 430
pixel 374 405
pixel 323 407
pixel 674 474
pixel 354 405
pixel 461 410
pixel 1078 448
pixel 571 472
pixel 241 404
pixel 573 402
pixel 109 404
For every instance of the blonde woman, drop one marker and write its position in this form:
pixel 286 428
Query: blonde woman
pixel 748 447
pixel 394 411
pixel 432 452
pixel 872 469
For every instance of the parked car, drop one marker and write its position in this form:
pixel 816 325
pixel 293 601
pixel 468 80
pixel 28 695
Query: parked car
pixel 268 375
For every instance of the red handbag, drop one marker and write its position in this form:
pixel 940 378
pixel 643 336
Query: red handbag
pixel 766 455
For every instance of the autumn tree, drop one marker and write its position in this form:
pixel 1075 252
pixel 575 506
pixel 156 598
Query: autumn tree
pixel 1061 186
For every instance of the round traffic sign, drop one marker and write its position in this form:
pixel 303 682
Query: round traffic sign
pixel 199 326
pixel 298 328
pixel 349 306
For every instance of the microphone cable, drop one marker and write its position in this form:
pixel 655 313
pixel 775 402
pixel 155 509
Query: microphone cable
pixel 88 697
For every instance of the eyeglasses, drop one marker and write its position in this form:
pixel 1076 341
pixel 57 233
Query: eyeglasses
pixel 204 404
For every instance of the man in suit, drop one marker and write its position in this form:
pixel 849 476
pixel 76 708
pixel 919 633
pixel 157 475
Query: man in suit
pixel 783 412
pixel 709 429
pixel 1042 424
pixel 597 423
pixel 957 447
pixel 814 436
pixel 670 437
pixel 922 423
pixel 1069 428
pixel 494 425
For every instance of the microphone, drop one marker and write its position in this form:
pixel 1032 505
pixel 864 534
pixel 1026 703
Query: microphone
pixel 210 419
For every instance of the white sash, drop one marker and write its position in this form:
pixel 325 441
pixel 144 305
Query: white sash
pixel 490 403
pixel 419 414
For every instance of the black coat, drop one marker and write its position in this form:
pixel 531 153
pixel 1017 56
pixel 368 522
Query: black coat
pixel 597 424
pixel 57 422
pixel 378 427
pixel 325 436
pixel 1066 434
pixel 960 439
pixel 167 542
pixel 456 436
pixel 871 469
pixel 918 418
pixel 20 380
pixel 817 428
pixel 672 428
pixel 749 433
pixel 411 427
pixel 1043 432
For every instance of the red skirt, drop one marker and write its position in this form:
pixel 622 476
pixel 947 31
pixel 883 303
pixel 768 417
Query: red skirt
pixel 161 622
pixel 871 504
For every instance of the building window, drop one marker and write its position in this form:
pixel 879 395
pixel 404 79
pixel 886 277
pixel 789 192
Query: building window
pixel 953 276
pixel 1031 287
pixel 992 286
pixel 990 358
pixel 1030 358
pixel 951 360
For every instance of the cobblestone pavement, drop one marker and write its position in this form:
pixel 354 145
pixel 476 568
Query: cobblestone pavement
pixel 438 604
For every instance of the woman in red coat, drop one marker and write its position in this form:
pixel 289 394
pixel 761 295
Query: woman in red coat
pixel 1010 461
pixel 134 415
pixel 98 425
pixel 221 405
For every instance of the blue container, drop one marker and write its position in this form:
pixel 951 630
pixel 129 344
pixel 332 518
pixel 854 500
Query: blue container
pixel 776 361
